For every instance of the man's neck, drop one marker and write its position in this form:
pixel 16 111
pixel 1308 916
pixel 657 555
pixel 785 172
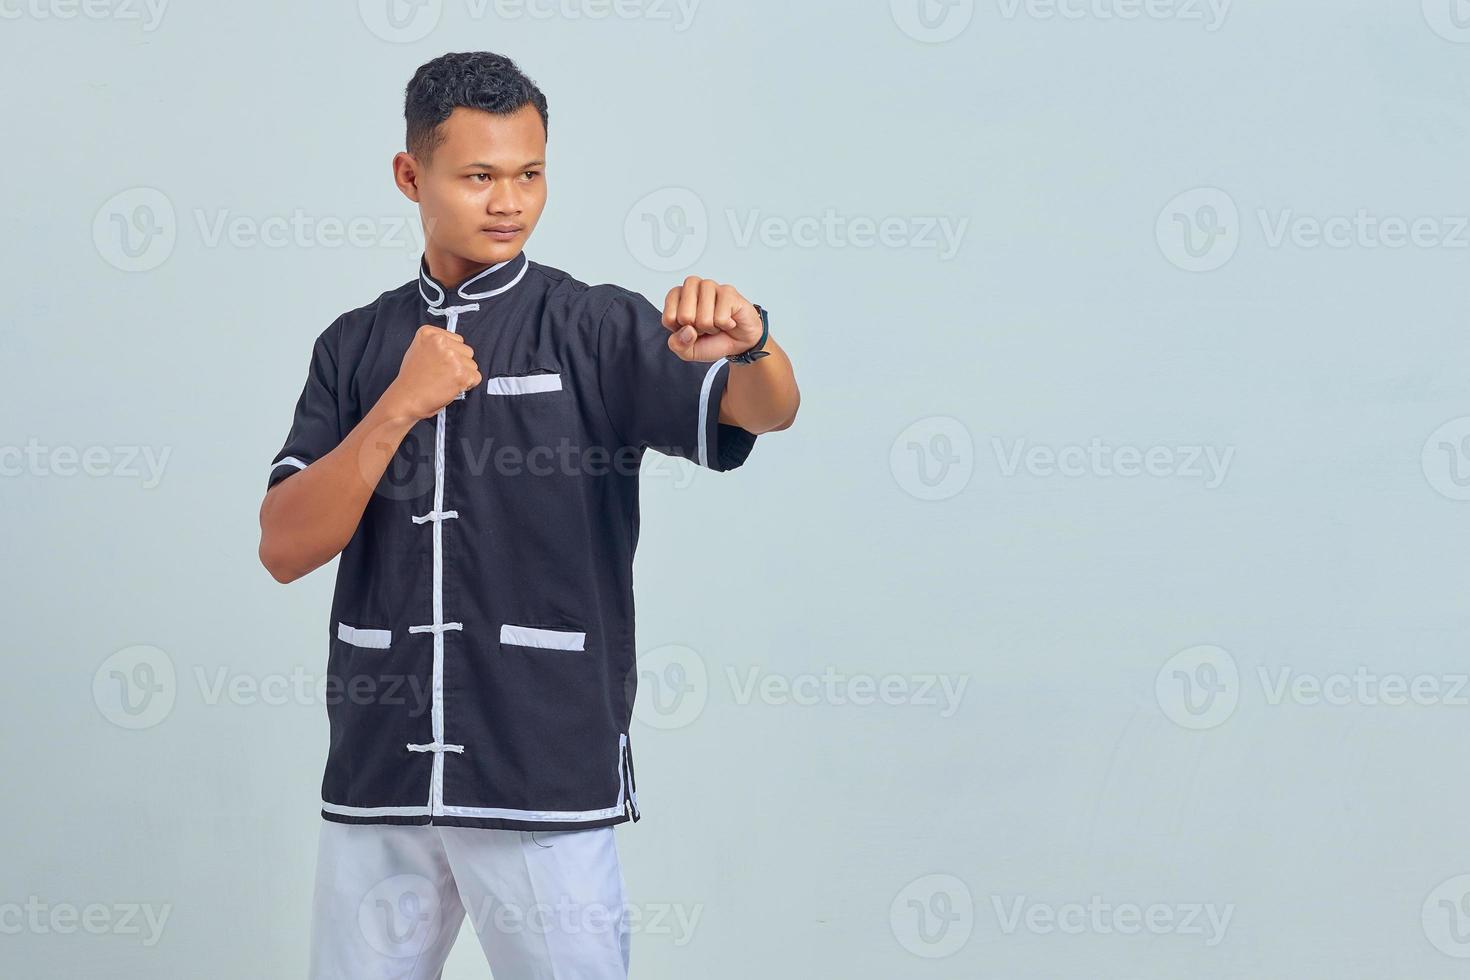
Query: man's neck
pixel 450 269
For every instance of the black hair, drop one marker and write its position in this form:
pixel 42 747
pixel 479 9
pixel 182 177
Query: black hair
pixel 472 79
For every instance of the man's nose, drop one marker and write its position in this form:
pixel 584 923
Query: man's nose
pixel 504 199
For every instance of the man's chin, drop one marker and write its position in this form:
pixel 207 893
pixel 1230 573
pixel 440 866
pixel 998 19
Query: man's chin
pixel 491 251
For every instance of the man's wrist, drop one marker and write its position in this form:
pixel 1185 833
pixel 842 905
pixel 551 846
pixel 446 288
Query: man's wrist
pixel 755 359
pixel 392 411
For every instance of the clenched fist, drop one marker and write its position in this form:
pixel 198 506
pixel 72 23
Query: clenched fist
pixel 708 320
pixel 437 367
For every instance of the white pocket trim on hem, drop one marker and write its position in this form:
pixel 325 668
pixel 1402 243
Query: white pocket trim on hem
pixel 523 384
pixel 531 636
pixel 371 639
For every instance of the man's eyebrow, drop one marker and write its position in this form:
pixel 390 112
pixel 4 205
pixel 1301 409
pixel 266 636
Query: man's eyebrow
pixel 490 166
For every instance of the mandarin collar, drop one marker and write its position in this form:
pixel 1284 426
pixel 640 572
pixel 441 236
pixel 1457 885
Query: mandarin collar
pixel 488 282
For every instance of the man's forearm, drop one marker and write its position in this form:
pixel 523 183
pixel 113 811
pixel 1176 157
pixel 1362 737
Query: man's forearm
pixel 308 518
pixel 761 396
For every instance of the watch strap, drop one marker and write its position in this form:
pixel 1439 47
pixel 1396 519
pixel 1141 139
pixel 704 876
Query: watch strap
pixel 754 352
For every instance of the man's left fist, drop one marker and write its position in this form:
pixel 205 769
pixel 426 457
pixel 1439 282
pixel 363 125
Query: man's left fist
pixel 707 320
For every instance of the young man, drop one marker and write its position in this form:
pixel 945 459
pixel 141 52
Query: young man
pixel 469 442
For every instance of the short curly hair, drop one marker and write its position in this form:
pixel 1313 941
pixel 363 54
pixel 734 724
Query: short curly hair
pixel 473 79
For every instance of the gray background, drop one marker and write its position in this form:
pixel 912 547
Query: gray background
pixel 1139 737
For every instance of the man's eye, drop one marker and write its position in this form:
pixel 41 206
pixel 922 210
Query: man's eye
pixel 532 174
pixel 478 176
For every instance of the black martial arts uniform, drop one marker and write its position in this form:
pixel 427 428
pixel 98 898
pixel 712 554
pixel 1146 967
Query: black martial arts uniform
pixel 481 668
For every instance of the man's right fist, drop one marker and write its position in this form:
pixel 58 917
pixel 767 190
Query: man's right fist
pixel 436 368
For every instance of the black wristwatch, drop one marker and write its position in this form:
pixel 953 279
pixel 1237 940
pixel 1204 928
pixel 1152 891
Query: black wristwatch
pixel 754 353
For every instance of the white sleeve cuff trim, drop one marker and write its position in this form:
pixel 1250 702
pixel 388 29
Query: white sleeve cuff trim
pixel 709 381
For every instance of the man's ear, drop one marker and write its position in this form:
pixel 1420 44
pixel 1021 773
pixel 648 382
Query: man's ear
pixel 406 175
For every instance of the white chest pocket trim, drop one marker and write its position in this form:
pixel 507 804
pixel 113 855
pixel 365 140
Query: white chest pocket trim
pixel 523 384
pixel 531 636
pixel 372 639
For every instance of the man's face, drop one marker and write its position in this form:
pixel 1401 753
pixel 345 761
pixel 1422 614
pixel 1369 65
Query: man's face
pixel 482 192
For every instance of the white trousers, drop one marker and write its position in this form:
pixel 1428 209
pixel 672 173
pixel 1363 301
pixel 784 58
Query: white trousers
pixel 389 902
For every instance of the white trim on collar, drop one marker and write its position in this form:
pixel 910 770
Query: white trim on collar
pixel 525 264
pixel 427 283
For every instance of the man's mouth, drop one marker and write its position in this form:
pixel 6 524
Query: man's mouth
pixel 502 232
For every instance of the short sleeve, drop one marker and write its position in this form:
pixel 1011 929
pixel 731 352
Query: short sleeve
pixel 655 399
pixel 315 428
